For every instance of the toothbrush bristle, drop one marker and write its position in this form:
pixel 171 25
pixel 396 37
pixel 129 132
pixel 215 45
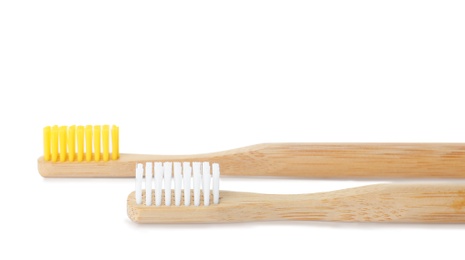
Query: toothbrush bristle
pixel 80 143
pixel 197 182
pixel 167 176
pixel 71 143
pixel 177 183
pixel 47 152
pixel 54 142
pixel 216 183
pixel 88 143
pixel 181 185
pixel 148 183
pixel 114 143
pixel 139 177
pixel 187 178
pixel 158 183
pixel 106 142
pixel 97 142
pixel 206 183
pixel 62 140
pixel 60 143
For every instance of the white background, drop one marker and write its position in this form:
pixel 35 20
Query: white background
pixel 202 76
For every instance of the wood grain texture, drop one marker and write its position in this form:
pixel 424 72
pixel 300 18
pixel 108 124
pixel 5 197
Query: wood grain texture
pixel 403 203
pixel 312 160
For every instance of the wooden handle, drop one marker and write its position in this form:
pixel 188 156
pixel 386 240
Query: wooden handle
pixel 314 160
pixel 352 160
pixel 416 203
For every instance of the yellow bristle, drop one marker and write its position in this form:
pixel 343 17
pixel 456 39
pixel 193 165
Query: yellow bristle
pixel 88 143
pixel 114 142
pixel 97 143
pixel 80 143
pixel 54 141
pixel 71 143
pixel 62 134
pixel 47 143
pixel 105 141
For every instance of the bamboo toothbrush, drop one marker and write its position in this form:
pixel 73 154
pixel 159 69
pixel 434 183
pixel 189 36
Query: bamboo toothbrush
pixel 417 203
pixel 86 151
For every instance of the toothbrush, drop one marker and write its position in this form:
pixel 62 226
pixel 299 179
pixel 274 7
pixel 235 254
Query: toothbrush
pixel 401 203
pixel 88 151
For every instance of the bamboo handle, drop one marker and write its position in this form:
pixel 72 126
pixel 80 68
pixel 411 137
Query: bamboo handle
pixel 314 160
pixel 414 203
pixel 352 160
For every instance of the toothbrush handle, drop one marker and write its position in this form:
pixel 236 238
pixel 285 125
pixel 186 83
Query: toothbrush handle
pixel 347 160
pixel 413 203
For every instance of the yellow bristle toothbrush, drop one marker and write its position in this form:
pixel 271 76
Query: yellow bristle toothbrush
pixel 86 151
pixel 177 202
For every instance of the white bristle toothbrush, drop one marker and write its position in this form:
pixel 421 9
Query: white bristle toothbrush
pixel 419 203
pixel 88 151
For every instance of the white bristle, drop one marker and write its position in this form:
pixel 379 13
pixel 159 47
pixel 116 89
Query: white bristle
pixel 158 183
pixel 159 176
pixel 197 181
pixel 206 180
pixel 139 176
pixel 177 183
pixel 216 183
pixel 167 173
pixel 187 172
pixel 148 183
